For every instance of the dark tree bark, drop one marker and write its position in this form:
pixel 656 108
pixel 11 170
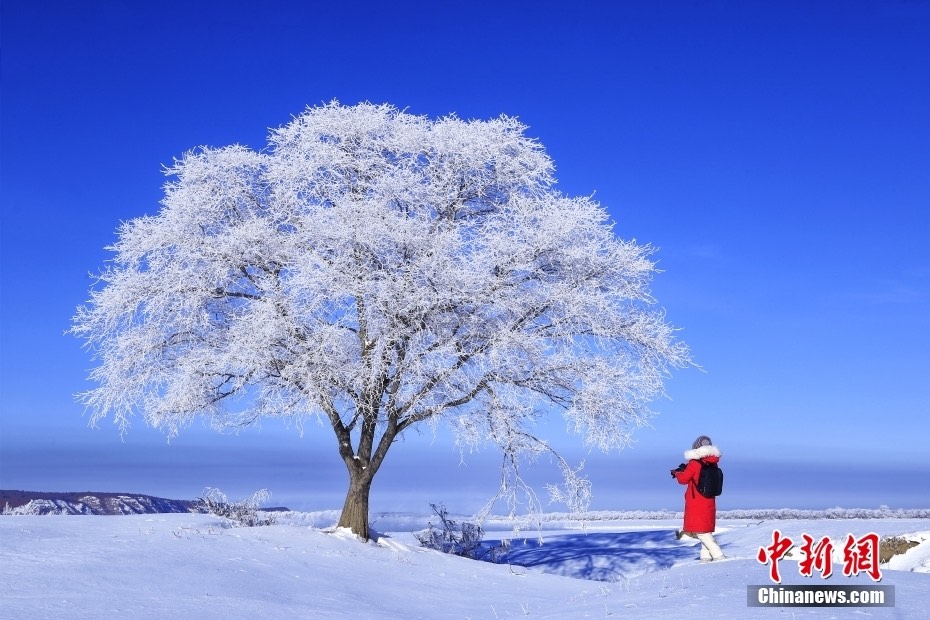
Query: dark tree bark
pixel 355 509
pixel 362 464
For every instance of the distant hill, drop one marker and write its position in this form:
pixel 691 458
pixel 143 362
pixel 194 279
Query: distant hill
pixel 90 503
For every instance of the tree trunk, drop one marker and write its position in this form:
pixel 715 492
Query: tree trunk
pixel 361 465
pixel 355 509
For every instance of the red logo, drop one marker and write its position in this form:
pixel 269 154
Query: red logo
pixel 859 556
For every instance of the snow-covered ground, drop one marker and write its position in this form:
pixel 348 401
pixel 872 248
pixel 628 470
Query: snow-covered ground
pixel 191 566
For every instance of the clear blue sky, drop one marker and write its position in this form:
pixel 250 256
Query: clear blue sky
pixel 777 154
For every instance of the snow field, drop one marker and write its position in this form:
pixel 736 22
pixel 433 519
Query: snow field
pixel 190 565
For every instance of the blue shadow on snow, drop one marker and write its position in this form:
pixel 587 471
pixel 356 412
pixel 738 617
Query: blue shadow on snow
pixel 598 556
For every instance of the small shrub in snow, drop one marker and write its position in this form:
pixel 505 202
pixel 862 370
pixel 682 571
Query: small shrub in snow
pixel 461 539
pixel 244 513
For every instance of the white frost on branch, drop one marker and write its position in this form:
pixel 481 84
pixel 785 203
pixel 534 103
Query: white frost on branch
pixel 379 270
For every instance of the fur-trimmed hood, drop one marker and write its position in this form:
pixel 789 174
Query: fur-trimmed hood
pixel 700 453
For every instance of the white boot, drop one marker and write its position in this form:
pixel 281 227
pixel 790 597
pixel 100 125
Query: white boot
pixel 710 550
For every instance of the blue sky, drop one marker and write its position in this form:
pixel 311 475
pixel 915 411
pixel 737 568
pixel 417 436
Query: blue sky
pixel 776 153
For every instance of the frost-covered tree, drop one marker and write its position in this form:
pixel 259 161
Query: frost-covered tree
pixel 378 270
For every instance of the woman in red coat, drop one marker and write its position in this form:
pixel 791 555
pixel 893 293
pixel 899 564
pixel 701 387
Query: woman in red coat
pixel 700 511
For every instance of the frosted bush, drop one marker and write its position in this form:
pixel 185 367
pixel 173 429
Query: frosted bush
pixel 244 513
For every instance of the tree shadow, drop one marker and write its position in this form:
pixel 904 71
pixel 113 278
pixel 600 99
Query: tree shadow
pixel 598 556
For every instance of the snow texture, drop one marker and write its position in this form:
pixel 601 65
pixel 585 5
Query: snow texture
pixel 192 565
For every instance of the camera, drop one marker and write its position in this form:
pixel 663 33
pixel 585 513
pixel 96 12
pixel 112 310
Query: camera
pixel 681 467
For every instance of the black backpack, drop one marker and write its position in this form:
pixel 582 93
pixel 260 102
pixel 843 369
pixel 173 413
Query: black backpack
pixel 710 482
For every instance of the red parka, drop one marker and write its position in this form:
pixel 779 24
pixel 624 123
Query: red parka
pixel 700 511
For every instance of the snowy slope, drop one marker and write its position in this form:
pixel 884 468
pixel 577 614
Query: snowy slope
pixel 189 565
pixel 91 503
